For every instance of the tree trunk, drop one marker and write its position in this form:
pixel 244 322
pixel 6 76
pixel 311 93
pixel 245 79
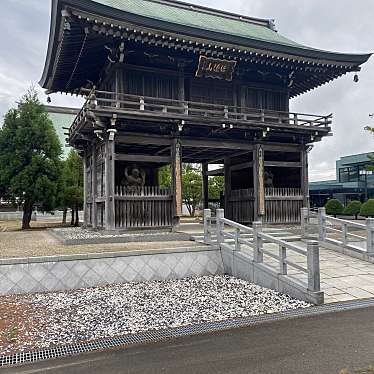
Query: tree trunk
pixel 27 213
pixel 72 217
pixel 76 216
pixel 64 214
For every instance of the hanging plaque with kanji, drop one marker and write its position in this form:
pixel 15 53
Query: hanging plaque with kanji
pixel 215 68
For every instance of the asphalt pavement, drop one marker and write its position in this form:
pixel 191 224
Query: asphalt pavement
pixel 324 344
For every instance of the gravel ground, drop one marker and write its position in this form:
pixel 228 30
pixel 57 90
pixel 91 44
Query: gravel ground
pixel 58 318
pixel 82 233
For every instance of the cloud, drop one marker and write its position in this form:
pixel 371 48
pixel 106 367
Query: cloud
pixel 339 25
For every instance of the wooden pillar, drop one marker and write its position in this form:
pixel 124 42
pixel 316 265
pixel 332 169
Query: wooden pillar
pixel 85 190
pixel 304 177
pixel 227 172
pixel 204 169
pixel 258 183
pixel 94 185
pixel 109 185
pixel 176 180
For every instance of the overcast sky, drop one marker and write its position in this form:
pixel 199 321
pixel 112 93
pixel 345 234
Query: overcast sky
pixel 339 25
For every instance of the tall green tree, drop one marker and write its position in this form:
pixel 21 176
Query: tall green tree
pixel 71 193
pixel 216 186
pixel 29 157
pixel 191 187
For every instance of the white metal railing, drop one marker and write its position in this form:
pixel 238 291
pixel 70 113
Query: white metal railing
pixel 255 240
pixel 342 228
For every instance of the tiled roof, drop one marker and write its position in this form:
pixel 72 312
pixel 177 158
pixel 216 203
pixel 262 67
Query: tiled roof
pixel 201 18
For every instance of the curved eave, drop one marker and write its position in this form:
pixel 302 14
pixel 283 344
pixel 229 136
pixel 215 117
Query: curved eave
pixel 353 60
pixel 55 27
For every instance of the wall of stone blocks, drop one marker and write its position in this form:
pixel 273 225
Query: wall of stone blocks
pixel 55 273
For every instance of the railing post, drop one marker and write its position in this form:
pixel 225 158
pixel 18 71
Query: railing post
pixel 185 106
pixel 304 221
pixel 258 255
pixel 282 260
pixel 262 115
pixel 141 102
pixel 220 213
pixel 321 224
pixel 314 279
pixel 226 111
pixel 295 119
pixel 370 236
pixel 345 234
pixel 207 226
pixel 237 236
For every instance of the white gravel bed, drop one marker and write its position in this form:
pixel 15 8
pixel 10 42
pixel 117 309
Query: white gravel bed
pixel 77 233
pixel 93 313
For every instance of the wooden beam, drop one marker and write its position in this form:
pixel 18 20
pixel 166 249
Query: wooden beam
pixel 281 147
pixel 221 144
pixel 283 164
pixel 134 138
pixel 243 165
pixel 215 172
pixel 235 154
pixel 142 158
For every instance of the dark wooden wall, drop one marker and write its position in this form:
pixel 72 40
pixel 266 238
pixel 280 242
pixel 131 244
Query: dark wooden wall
pixel 165 84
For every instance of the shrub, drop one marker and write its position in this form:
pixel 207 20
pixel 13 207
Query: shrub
pixel 367 209
pixel 334 207
pixel 353 208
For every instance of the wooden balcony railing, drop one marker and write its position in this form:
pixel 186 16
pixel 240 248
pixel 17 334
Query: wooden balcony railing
pixel 188 110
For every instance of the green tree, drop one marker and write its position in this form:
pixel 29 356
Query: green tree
pixel 164 176
pixel 29 157
pixel 71 193
pixel 353 208
pixel 191 187
pixel 367 208
pixel 216 185
pixel 334 207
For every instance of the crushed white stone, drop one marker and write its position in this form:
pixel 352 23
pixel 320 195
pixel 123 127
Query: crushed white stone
pixel 100 312
pixel 77 233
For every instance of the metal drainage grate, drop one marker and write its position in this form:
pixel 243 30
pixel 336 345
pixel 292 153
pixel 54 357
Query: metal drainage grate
pixel 158 335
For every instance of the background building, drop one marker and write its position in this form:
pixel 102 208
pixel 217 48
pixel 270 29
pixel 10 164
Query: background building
pixel 352 182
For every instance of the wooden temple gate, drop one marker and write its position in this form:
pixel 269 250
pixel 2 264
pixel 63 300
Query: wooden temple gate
pixel 161 92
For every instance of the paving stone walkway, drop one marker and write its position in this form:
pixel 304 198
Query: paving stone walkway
pixel 342 277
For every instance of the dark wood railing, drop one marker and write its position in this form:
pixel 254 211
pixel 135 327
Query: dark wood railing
pixel 143 207
pixel 282 205
pixel 116 103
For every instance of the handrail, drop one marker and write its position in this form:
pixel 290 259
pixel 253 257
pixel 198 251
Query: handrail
pixel 346 222
pixel 257 244
pixel 340 226
pixel 162 99
pixel 139 103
